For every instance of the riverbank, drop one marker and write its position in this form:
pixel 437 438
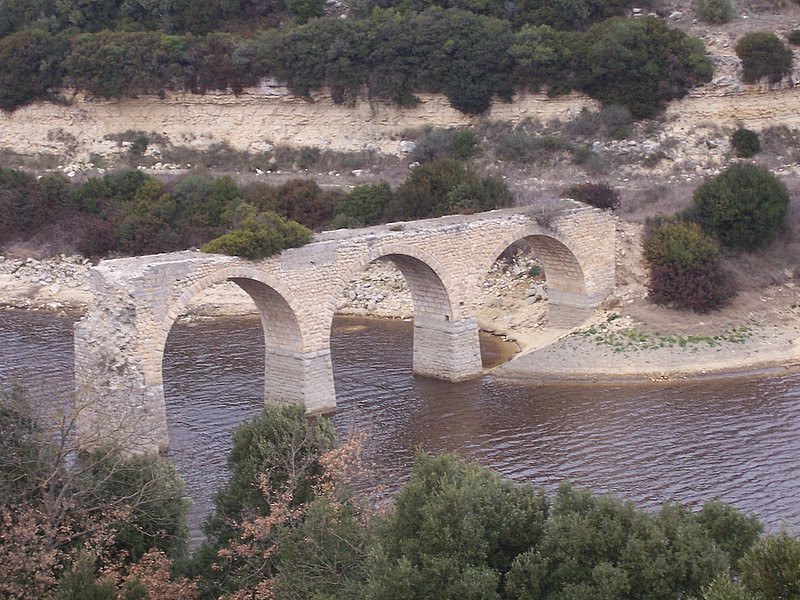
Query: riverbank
pixel 627 339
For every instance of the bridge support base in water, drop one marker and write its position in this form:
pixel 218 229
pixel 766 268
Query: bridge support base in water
pixel 300 378
pixel 446 349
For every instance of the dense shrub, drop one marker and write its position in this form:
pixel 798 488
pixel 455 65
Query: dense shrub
pixel 641 64
pixel 793 37
pixel 471 58
pixel 487 522
pixel 220 61
pixel 432 144
pixel 118 64
pixel 302 200
pixel 463 144
pixel 701 289
pixel 763 54
pixel 278 451
pixel 303 10
pixel 544 56
pixel 745 143
pixel 259 237
pixel 680 243
pixel 577 15
pixel 16 189
pixel 516 146
pixel 771 568
pixel 444 186
pixel 365 204
pixel 440 143
pixel 684 267
pixel 745 206
pixel 59 505
pixel 599 547
pixel 599 195
pixel 30 67
pixel 154 489
pixel 146 222
pixel 715 11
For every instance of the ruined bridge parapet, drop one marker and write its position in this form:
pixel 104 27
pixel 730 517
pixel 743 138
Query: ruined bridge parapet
pixel 119 344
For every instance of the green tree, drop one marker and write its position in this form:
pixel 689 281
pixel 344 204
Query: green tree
pixel 146 224
pixel 119 64
pixel 464 56
pixel 745 142
pixel 30 67
pixel 323 557
pixel 303 10
pixel 745 206
pixel 641 64
pixel 453 533
pixel 763 54
pixel 599 547
pixel 259 237
pixel 771 568
pixel 443 186
pixel 274 461
pixel 545 56
pixel 732 531
pixel 365 204
pixel 154 491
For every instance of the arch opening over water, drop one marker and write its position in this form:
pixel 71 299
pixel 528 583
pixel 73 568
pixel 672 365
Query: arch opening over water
pixel 445 342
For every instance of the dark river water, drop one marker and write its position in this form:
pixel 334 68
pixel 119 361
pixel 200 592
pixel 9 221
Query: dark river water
pixel 735 439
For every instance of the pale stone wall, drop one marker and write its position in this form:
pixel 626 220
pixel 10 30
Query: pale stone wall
pixel 120 342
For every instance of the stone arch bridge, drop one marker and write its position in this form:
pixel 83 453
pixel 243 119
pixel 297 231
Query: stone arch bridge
pixel 119 343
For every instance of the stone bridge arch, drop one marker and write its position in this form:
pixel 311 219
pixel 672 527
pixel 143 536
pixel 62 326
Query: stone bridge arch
pixel 568 301
pixel 445 342
pixel 578 262
pixel 288 372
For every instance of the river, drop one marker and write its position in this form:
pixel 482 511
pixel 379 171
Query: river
pixel 734 439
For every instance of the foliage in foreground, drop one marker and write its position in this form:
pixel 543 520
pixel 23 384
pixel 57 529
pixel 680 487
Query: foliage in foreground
pixel 745 206
pixel 289 525
pixel 70 520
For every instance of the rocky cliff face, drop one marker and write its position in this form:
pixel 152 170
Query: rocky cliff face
pixel 261 117
pixel 252 121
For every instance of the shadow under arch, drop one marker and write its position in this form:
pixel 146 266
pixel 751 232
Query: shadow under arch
pixel 283 336
pixel 445 343
pixel 568 301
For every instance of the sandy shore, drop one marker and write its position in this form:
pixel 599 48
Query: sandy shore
pixel 630 340
pixel 589 354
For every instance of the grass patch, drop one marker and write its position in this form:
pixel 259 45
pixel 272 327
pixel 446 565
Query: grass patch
pixel 632 338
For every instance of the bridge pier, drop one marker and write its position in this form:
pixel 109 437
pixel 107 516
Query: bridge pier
pixel 119 401
pixel 448 350
pixel 300 378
